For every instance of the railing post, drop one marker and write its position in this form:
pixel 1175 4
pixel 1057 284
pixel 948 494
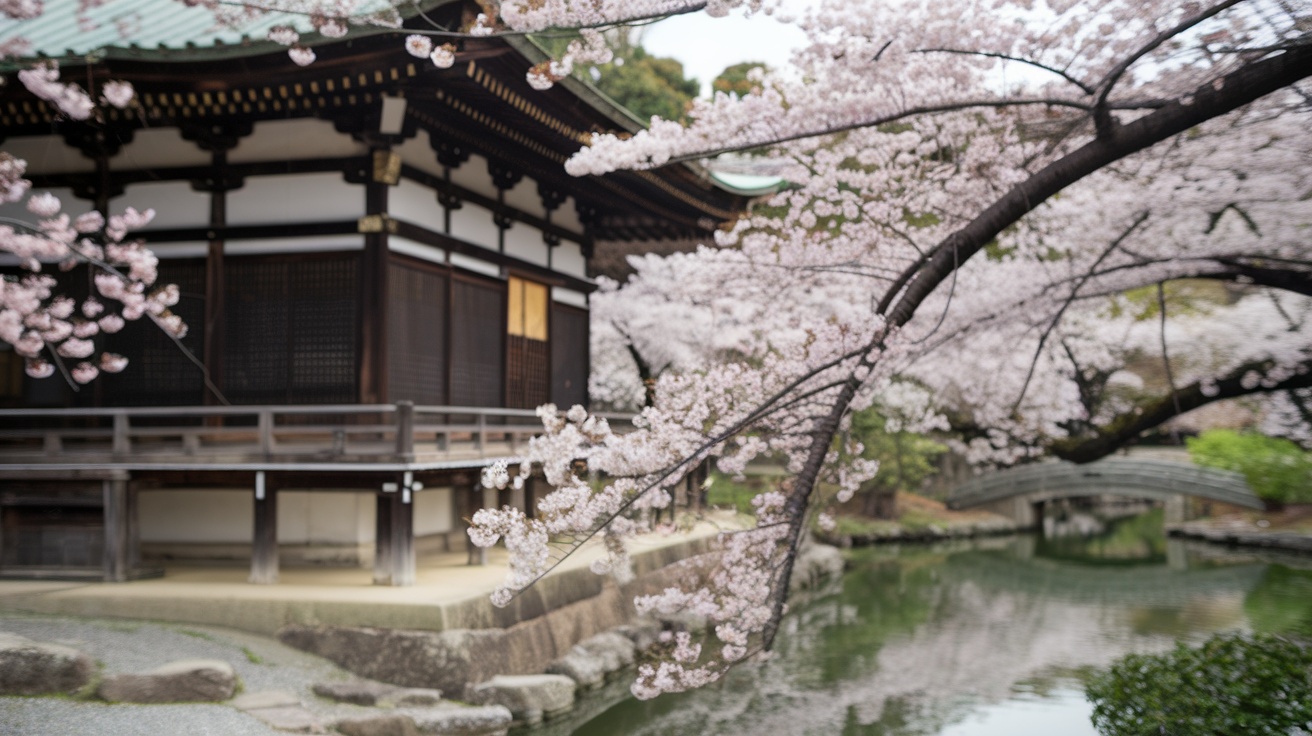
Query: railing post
pixel 266 431
pixel 480 443
pixel 405 430
pixel 122 442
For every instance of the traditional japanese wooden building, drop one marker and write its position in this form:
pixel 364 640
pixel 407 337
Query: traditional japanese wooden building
pixel 383 265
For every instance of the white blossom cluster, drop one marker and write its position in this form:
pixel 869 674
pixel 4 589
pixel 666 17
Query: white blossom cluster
pixel 49 329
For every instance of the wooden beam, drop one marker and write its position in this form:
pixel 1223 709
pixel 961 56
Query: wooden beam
pixel 264 541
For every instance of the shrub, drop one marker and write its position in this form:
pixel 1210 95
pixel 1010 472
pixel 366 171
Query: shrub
pixel 1255 685
pixel 1276 469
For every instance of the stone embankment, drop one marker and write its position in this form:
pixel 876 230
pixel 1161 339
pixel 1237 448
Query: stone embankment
pixel 894 532
pixel 1244 532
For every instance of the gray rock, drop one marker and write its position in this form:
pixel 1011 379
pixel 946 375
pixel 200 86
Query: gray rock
pixel 266 699
pixel 390 724
pixel 36 668
pixel 644 633
pixel 615 651
pixel 584 668
pixel 368 692
pixel 529 698
pixel 445 660
pixel 188 680
pixel 402 697
pixel 454 720
pixel 293 719
pixel 358 692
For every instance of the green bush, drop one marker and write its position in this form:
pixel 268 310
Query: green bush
pixel 1255 685
pixel 1276 469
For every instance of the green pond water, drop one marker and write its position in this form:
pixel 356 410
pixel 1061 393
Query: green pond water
pixel 988 637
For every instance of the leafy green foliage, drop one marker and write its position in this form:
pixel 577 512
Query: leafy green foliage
pixel 733 80
pixel 1258 685
pixel 647 85
pixel 906 459
pixel 1276 469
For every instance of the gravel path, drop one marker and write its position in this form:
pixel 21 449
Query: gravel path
pixel 136 646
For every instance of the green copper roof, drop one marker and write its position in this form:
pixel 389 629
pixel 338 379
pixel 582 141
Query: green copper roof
pixel 153 26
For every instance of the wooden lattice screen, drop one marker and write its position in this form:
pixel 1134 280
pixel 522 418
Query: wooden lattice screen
pixel 569 355
pixel 478 330
pixel 291 329
pixel 416 334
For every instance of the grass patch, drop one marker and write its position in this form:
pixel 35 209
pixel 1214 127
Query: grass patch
pixel 251 656
pixel 197 634
pixel 726 492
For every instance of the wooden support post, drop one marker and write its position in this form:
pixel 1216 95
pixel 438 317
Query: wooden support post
pixel 403 538
pixel 1037 507
pixel 405 430
pixel 122 442
pixel 264 542
pixel 117 533
pixel 265 429
pixel 383 538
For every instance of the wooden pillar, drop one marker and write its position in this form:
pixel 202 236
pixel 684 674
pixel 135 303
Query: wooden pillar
pixel 1037 507
pixel 117 555
pixel 264 542
pixel 402 555
pixel 383 539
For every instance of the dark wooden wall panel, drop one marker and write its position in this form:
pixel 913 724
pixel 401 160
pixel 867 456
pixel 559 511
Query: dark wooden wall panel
pixel 569 356
pixel 478 330
pixel 416 334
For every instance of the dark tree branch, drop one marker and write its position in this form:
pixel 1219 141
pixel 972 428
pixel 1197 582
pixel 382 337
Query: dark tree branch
pixel 1239 88
pixel 1126 427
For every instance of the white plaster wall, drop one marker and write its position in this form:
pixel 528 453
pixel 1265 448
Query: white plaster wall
pixel 415 203
pixel 570 297
pixel 415 249
pixel 524 196
pixel 433 513
pixel 568 258
pixel 418 153
pixel 525 242
pixel 285 140
pixel 71 205
pixel 48 154
pixel 474 224
pixel 567 217
pixel 473 175
pixel 475 265
pixel 159 147
pixel 295 198
pixel 175 203
pixel 197 516
pixel 325 518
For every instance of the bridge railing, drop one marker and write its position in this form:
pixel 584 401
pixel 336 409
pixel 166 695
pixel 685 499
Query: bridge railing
pixel 1124 476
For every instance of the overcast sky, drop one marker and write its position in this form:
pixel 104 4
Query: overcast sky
pixel 707 45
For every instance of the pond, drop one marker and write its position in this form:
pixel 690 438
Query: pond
pixel 980 638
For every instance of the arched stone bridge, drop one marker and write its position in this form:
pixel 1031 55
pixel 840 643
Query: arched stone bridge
pixel 1021 492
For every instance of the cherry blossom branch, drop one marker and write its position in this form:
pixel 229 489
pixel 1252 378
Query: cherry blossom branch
pixel 1108 82
pixel 1008 57
pixel 1084 279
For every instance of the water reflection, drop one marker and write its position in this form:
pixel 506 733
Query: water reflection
pixel 978 638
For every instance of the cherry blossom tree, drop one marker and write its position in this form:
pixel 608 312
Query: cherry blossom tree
pixel 934 200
